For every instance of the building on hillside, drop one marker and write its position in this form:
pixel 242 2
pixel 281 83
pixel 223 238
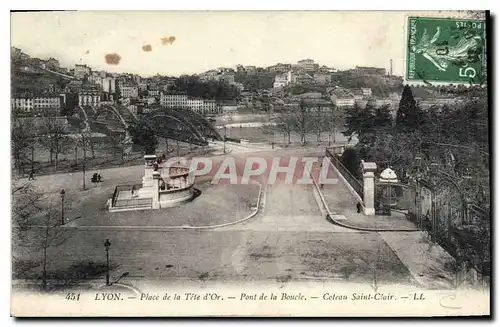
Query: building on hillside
pixel 22 103
pixel 279 68
pixel 30 103
pixel 129 91
pixel 210 107
pixel 210 75
pixel 318 105
pixel 201 106
pixel 358 94
pixel 303 78
pixel 153 91
pixel 52 64
pixel 173 100
pixel 74 86
pixel 229 108
pixel 250 70
pixel 342 98
pixel 321 78
pixel 291 105
pixel 108 85
pixel 280 80
pixel 143 86
pixel 228 78
pixel 89 96
pixel 364 71
pixel 80 71
pixel 307 65
pixel 17 53
pixel 367 92
pixel 132 108
pixel 309 95
pixel 95 79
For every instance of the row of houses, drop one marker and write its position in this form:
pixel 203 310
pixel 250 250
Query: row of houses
pixel 201 106
pixel 29 102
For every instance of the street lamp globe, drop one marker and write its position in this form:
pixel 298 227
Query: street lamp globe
pixel 107 244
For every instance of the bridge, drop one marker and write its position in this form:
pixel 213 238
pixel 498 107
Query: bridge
pixel 172 123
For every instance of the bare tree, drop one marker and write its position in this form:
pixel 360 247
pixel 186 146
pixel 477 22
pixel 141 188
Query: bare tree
pixel 286 123
pixel 302 121
pixel 22 138
pixel 333 122
pixel 54 139
pixel 84 141
pixel 318 123
pixel 26 203
pixel 48 236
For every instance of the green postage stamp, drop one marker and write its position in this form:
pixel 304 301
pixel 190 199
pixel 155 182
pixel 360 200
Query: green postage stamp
pixel 445 50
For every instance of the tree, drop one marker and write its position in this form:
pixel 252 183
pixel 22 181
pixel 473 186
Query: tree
pixel 84 141
pixel 382 120
pixel 359 121
pixel 22 138
pixel 333 122
pixel 26 202
pixel 318 123
pixel 302 119
pixel 54 139
pixel 409 115
pixel 35 226
pixel 142 134
pixel 351 161
pixel 50 235
pixel 286 123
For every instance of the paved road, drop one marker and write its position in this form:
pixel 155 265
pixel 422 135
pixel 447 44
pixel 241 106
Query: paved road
pixel 290 238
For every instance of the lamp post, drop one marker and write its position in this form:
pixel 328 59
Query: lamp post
pixel 107 245
pixel 273 141
pixel 224 149
pixel 83 171
pixel 63 193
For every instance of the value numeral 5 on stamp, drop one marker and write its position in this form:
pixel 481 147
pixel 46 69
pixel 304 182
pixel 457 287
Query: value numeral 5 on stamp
pixel 445 50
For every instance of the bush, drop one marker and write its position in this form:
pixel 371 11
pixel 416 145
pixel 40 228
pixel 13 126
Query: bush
pixel 351 161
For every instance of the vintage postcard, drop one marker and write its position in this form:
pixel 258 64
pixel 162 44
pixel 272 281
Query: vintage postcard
pixel 250 163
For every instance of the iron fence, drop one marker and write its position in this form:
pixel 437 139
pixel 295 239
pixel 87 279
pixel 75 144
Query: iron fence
pixel 115 202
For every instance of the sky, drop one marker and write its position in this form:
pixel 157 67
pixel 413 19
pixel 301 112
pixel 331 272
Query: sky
pixel 208 39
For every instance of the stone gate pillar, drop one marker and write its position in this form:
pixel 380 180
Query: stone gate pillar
pixel 369 169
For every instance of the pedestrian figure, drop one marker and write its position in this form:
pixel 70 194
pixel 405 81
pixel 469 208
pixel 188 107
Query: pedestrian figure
pixel 133 191
pixel 358 207
pixel 31 177
pixel 99 178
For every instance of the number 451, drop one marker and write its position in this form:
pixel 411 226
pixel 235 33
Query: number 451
pixel 73 296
